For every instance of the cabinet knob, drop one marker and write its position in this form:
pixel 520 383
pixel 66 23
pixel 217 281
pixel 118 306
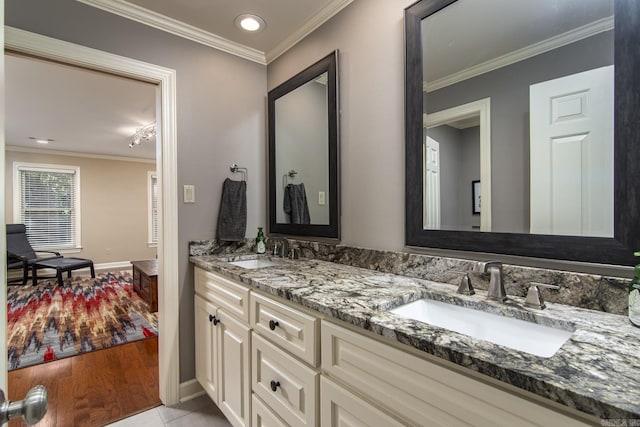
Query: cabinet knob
pixel 215 321
pixel 274 385
pixel 273 324
pixel 211 317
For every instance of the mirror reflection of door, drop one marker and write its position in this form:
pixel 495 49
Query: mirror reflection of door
pixel 572 154
pixel 302 134
pixel 463 137
pixel 432 184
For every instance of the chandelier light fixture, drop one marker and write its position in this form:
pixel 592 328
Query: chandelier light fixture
pixel 146 133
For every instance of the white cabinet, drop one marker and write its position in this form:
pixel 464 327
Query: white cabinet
pixel 222 355
pixel 341 408
pixel 422 392
pixel 206 336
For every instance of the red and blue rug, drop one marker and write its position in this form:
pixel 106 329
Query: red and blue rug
pixel 48 322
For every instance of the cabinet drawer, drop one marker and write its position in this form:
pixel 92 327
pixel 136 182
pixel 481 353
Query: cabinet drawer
pixel 289 328
pixel 225 293
pixel 339 407
pixel 424 392
pixel 262 416
pixel 285 384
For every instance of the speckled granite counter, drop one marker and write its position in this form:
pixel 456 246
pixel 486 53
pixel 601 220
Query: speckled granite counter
pixel 596 371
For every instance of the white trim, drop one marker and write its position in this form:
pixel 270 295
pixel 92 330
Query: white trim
pixel 327 12
pixel 74 154
pixel 118 265
pixel 175 27
pixel 480 108
pixel 77 202
pixel 166 150
pixel 190 390
pixel 3 241
pixel 577 34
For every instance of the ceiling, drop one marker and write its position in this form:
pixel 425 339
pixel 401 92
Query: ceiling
pixel 212 22
pixel 96 113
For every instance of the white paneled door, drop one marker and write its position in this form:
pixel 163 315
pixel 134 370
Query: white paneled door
pixel 572 154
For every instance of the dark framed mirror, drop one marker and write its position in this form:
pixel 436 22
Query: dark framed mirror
pixel 304 193
pixel 433 93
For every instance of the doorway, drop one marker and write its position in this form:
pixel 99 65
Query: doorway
pixel 23 42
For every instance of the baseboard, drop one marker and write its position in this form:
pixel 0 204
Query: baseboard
pixel 106 266
pixel 190 390
pixel 119 265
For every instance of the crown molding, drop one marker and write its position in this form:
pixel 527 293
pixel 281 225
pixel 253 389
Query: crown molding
pixel 323 15
pixel 76 154
pixel 178 28
pixel 577 34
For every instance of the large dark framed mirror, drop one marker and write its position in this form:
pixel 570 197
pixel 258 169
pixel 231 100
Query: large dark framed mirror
pixel 304 197
pixel 540 194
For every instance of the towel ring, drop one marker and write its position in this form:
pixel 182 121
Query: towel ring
pixel 291 174
pixel 235 169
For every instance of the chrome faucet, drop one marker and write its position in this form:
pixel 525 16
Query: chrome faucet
pixel 496 286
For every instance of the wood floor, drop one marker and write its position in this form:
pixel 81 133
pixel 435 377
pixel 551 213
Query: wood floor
pixel 93 389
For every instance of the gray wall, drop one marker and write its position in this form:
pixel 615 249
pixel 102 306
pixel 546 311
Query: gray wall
pixel 220 119
pixel 508 88
pixel 369 36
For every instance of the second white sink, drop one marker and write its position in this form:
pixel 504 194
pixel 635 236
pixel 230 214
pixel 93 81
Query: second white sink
pixel 253 263
pixel 517 334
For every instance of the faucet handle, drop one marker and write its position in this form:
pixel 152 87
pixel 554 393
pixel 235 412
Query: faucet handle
pixel 484 266
pixel 534 296
pixel 465 286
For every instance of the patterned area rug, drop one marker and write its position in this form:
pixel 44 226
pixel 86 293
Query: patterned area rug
pixel 48 322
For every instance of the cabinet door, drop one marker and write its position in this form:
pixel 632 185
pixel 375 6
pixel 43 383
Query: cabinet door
pixel 234 391
pixel 341 408
pixel 206 336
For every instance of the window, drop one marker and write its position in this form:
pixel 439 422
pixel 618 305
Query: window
pixel 152 185
pixel 47 201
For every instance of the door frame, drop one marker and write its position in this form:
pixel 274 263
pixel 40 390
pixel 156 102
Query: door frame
pixel 482 109
pixel 166 166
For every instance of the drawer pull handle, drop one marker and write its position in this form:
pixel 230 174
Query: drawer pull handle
pixel 274 385
pixel 273 324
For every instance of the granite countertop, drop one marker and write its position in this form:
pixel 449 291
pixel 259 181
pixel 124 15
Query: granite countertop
pixel 596 371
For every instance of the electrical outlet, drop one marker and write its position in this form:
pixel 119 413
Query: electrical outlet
pixel 321 198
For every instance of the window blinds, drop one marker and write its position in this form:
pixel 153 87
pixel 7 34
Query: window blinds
pixel 48 206
pixel 154 209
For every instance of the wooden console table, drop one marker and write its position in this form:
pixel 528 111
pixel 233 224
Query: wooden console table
pixel 145 281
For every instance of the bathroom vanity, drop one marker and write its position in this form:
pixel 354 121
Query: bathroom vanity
pixel 310 342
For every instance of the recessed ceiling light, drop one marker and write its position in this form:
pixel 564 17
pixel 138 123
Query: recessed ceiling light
pixel 249 22
pixel 41 140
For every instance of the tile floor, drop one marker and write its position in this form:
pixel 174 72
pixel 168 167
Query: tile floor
pixel 197 412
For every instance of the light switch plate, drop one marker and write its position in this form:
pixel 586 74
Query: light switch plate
pixel 189 193
pixel 321 198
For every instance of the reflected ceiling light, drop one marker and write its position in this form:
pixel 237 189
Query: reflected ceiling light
pixel 146 133
pixel 250 23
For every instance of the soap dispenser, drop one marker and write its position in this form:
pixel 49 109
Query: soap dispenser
pixel 260 247
pixel 634 296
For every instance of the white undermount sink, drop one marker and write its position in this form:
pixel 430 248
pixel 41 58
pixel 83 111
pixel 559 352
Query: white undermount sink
pixel 253 263
pixel 516 334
